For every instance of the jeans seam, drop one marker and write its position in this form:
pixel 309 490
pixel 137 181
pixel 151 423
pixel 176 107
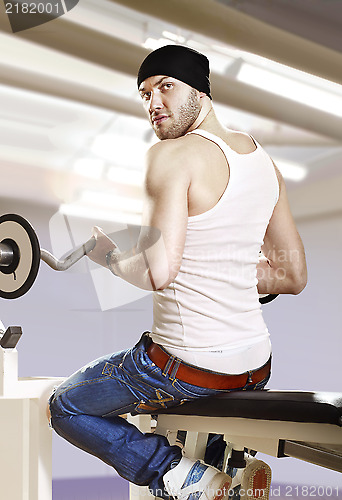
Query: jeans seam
pixel 181 392
pixel 152 368
pixel 122 409
pixel 190 394
pixel 138 379
pixel 80 384
pixel 159 400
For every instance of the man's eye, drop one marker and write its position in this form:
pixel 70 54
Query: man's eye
pixel 145 96
pixel 167 86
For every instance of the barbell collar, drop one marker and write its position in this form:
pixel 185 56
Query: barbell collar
pixel 6 254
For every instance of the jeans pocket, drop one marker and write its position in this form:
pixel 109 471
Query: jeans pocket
pixel 151 407
pixel 143 407
pixel 191 392
pixel 156 400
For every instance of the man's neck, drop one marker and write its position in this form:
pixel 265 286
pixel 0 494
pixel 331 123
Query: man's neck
pixel 208 121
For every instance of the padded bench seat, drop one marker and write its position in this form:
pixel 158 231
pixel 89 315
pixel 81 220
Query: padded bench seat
pixel 291 406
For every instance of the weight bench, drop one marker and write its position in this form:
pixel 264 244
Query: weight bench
pixel 303 425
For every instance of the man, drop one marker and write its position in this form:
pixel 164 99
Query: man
pixel 213 199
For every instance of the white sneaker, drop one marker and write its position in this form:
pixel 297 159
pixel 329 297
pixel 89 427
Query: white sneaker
pixel 254 480
pixel 194 480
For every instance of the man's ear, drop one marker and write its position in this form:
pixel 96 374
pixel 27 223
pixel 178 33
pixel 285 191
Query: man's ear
pixel 202 94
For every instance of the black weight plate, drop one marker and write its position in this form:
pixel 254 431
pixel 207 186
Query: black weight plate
pixel 33 265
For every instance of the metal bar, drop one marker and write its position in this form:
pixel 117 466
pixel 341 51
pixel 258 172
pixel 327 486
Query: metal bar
pixel 314 453
pixel 6 256
pixel 69 260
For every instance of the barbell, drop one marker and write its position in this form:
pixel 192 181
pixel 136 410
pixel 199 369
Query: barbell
pixel 20 256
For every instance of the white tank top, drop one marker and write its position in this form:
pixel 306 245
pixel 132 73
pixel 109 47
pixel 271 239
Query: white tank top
pixel 210 314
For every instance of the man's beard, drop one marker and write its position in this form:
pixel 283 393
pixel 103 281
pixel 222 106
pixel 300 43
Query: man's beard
pixel 187 115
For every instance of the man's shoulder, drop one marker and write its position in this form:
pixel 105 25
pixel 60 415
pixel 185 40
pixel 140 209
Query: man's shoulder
pixel 167 162
pixel 240 142
pixel 173 158
pixel 171 148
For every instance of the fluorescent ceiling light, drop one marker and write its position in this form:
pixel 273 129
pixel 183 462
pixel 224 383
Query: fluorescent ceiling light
pixel 202 47
pixel 292 89
pixel 153 43
pixel 89 167
pixel 290 170
pixel 174 37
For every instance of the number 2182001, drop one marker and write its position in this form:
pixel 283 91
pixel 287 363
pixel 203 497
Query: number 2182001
pixel 32 8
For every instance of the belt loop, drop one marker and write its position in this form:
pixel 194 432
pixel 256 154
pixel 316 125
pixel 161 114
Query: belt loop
pixel 146 337
pixel 168 365
pixel 175 369
pixel 250 377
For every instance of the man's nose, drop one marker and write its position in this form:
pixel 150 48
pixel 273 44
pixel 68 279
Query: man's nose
pixel 155 102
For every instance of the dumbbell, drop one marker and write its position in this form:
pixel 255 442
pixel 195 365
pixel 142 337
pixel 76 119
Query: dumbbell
pixel 20 256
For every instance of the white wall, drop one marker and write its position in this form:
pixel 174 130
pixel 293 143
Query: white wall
pixel 307 329
pixel 65 328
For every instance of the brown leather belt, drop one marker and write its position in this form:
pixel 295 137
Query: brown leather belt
pixel 175 368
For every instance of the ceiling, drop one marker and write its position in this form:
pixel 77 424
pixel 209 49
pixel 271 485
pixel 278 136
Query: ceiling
pixel 319 21
pixel 72 130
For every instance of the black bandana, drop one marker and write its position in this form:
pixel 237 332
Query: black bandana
pixel 177 61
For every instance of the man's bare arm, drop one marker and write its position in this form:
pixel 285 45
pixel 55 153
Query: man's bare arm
pixel 285 270
pixel 155 260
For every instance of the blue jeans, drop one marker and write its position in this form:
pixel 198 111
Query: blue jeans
pixel 85 411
